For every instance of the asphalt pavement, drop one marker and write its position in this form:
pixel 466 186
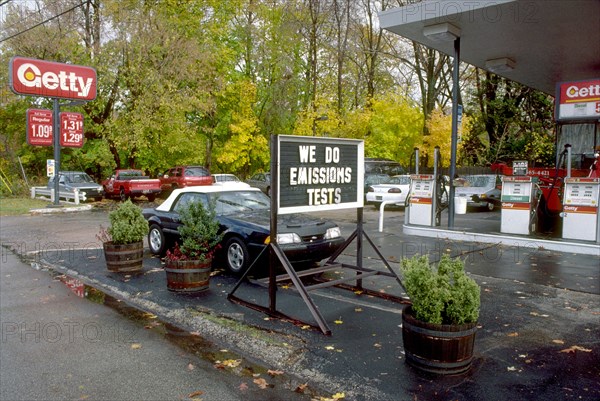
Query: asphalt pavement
pixel 538 334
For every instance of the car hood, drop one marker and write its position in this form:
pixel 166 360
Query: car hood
pixel 285 223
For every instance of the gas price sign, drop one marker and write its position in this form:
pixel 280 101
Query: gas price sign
pixel 39 127
pixel 71 129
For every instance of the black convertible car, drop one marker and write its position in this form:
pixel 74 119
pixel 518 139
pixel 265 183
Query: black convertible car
pixel 244 216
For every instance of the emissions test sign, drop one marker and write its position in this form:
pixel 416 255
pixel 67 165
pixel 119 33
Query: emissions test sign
pixel 317 174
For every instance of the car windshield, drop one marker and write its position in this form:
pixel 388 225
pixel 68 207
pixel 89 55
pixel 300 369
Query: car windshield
pixel 479 181
pixel 130 174
pixel 404 180
pixel 196 172
pixel 228 178
pixel 80 178
pixel 377 179
pixel 240 201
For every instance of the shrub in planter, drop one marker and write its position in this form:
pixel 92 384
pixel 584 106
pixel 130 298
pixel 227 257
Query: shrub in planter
pixel 441 294
pixel 123 240
pixel 439 327
pixel 188 265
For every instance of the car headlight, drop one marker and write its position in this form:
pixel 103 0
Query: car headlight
pixel 288 238
pixel 333 232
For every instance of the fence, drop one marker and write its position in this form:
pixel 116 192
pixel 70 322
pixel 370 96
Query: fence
pixel 75 195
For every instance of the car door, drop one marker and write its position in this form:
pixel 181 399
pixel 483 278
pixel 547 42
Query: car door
pixel 170 221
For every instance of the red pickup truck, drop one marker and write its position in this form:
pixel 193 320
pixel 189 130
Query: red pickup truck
pixel 131 183
pixel 184 176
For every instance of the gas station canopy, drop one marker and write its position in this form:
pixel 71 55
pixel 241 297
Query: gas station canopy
pixel 535 42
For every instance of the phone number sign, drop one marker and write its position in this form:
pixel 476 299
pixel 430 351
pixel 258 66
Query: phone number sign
pixel 71 129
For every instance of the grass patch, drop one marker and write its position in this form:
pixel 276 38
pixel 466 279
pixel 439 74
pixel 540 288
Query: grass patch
pixel 14 206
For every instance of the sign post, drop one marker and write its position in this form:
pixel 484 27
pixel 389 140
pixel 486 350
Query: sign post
pixel 42 78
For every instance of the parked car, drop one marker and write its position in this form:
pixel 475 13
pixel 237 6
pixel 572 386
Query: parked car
pixel 130 183
pixel 227 179
pixel 394 190
pixel 482 190
pixel 375 165
pixel 184 176
pixel 374 179
pixel 244 216
pixel 71 180
pixel 261 181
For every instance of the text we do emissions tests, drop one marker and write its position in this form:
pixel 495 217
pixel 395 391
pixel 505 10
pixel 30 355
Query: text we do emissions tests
pixel 319 174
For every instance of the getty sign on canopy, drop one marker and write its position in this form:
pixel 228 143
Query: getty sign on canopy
pixel 49 79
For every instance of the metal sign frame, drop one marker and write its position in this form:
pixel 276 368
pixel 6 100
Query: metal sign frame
pixel 277 256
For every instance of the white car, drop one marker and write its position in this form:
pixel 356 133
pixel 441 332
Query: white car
pixel 228 179
pixel 482 190
pixel 395 190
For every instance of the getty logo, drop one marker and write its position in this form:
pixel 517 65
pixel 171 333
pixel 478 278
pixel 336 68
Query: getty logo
pixel 31 76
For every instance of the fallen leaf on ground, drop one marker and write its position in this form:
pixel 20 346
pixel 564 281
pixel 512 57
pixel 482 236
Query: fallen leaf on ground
pixel 191 366
pixel 274 372
pixel 195 394
pixel 228 363
pixel 558 341
pixel 511 368
pixel 330 347
pixel 243 386
pixel 339 321
pixel 357 309
pixel 301 387
pixel 261 383
pixel 136 346
pixel 514 334
pixel 575 348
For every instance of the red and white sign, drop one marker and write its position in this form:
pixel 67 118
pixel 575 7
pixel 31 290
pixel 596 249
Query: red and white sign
pixel 579 100
pixel 71 129
pixel 39 127
pixel 49 79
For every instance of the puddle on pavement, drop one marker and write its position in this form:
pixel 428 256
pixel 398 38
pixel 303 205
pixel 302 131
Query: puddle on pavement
pixel 189 342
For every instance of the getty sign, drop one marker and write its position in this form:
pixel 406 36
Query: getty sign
pixel 49 79
pixel 319 174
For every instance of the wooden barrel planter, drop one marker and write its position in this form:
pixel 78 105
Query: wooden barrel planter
pixel 125 258
pixel 188 276
pixel 443 349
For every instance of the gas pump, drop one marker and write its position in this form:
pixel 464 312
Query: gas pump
pixel 519 203
pixel 425 199
pixel 422 195
pixel 581 219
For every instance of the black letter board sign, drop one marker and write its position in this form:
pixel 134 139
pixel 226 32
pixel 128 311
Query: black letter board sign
pixel 317 174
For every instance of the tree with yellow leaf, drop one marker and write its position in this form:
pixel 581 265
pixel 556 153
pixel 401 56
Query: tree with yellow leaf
pixel 439 127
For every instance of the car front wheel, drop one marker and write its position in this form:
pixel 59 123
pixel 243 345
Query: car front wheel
pixel 156 240
pixel 236 256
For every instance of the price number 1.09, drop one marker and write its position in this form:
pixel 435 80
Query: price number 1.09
pixel 71 129
pixel 39 127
